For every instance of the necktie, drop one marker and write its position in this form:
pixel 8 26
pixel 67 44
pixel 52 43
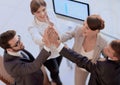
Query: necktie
pixel 24 55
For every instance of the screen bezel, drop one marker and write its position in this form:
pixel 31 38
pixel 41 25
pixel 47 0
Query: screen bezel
pixel 87 5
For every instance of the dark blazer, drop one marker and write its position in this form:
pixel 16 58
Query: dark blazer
pixel 4 76
pixel 26 71
pixel 103 72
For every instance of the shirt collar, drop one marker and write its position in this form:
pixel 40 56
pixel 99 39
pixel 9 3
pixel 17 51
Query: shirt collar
pixel 14 53
pixel 38 22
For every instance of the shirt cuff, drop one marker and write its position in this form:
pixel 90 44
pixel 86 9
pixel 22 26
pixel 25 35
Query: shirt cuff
pixel 46 48
pixel 60 47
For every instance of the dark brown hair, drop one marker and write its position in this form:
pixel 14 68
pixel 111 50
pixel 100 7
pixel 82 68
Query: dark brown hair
pixel 35 4
pixel 115 45
pixel 5 37
pixel 95 22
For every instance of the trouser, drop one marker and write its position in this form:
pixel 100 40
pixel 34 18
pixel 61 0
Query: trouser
pixel 80 76
pixel 53 66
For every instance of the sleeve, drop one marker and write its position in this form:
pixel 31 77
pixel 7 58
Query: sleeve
pixel 69 34
pixel 18 67
pixel 78 59
pixel 37 38
pixel 3 73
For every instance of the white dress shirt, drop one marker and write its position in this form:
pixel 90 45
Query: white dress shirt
pixel 37 30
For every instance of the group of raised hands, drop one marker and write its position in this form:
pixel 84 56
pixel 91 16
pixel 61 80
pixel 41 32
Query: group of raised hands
pixel 51 37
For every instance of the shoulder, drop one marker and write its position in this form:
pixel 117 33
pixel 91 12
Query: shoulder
pixel 32 25
pixel 101 40
pixel 78 30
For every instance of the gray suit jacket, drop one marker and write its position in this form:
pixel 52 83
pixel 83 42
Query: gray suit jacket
pixel 78 41
pixel 26 71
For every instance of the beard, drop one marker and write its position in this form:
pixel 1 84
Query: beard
pixel 18 49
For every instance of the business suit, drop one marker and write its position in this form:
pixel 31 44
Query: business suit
pixel 4 76
pixel 103 72
pixel 26 71
pixel 77 34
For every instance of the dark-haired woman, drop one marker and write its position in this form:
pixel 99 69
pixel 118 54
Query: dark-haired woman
pixel 88 42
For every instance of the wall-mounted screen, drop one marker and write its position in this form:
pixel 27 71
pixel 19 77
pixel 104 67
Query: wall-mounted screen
pixel 73 9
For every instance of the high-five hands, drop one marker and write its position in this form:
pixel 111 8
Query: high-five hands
pixel 51 37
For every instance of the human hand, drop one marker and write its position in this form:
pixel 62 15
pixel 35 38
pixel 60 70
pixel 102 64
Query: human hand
pixel 51 37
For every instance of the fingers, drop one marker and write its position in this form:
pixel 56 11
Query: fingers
pixel 45 38
pixel 53 35
pixel 50 36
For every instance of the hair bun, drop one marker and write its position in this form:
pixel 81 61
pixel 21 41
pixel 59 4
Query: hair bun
pixel 95 22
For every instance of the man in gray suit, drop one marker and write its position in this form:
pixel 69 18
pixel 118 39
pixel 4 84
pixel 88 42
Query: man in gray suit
pixel 19 63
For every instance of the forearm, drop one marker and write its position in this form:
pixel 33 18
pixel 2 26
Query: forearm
pixel 72 56
pixel 43 55
pixel 23 68
pixel 65 37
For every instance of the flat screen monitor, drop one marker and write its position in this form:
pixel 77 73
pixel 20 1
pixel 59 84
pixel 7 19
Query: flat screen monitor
pixel 73 9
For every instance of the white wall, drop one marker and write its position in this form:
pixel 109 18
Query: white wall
pixel 16 15
pixel 109 11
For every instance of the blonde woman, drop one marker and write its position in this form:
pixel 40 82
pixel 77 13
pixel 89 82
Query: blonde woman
pixel 42 19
